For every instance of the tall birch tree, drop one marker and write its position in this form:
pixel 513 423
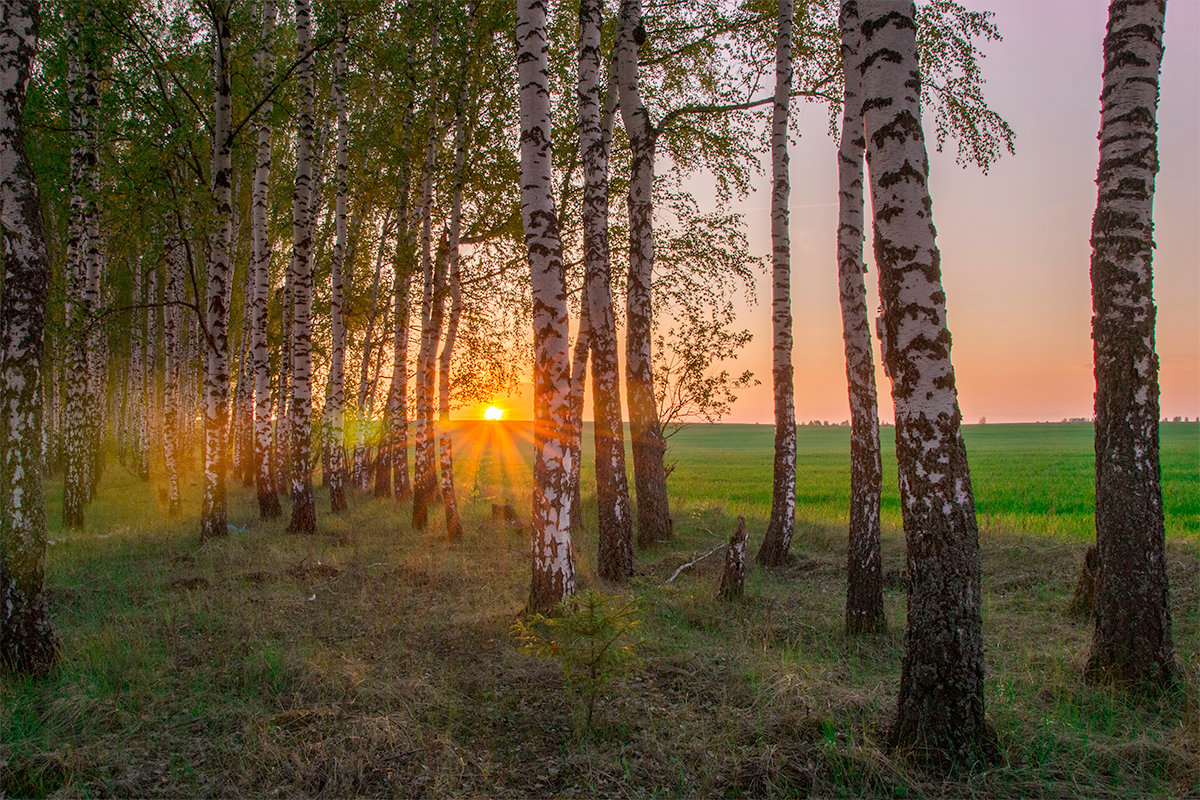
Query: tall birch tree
pixel 553 558
pixel 337 360
pixel 595 139
pixel 1132 640
pixel 864 565
pixel 260 265
pixel 304 515
pixel 941 705
pixel 28 643
pixel 782 524
pixel 217 279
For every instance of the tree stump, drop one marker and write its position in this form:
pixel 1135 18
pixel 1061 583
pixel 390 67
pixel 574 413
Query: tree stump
pixel 733 576
pixel 1083 603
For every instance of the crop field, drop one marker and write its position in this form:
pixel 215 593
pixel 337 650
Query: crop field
pixel 370 659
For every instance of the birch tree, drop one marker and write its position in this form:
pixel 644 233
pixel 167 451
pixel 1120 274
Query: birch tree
pixel 1132 640
pixel 782 524
pixel 595 139
pixel 864 566
pixel 172 346
pixel 553 558
pixel 304 519
pixel 337 365
pixel 645 429
pixel 218 276
pixel 260 265
pixel 28 643
pixel 941 705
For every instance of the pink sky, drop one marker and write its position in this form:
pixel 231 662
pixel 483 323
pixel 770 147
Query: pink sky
pixel 1015 249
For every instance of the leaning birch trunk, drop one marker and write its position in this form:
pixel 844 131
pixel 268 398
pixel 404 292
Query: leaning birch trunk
pixel 425 466
pixel 615 552
pixel 173 299
pixel 216 313
pixel 733 574
pixel 782 524
pixel 83 99
pixel 362 450
pixel 553 559
pixel 941 709
pixel 260 264
pixel 304 515
pixel 337 361
pixel 645 429
pixel 1132 640
pixel 28 643
pixel 864 564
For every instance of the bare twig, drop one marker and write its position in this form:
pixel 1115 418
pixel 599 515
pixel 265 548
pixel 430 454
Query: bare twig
pixel 694 562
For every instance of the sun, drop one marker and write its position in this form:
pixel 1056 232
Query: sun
pixel 493 413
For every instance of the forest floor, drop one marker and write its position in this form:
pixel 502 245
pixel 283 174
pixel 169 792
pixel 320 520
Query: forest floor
pixel 370 659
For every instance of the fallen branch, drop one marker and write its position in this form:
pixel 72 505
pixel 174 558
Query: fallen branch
pixel 694 561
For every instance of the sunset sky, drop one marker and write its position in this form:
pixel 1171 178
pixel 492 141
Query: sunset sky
pixel 1015 243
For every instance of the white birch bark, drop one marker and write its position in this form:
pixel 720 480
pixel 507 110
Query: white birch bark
pixel 218 276
pixel 553 559
pixel 941 708
pixel 864 563
pixel 173 299
pixel 645 428
pixel 1132 640
pixel 260 265
pixel 397 403
pixel 782 524
pixel 337 363
pixel 615 552
pixel 362 450
pixel 304 519
pixel 28 643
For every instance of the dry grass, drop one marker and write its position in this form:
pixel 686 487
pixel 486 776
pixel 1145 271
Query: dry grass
pixel 372 660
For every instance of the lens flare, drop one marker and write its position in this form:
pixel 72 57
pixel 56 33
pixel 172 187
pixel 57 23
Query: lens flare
pixel 493 413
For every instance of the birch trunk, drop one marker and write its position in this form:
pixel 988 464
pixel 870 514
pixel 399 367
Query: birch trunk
pixel 304 518
pixel 864 565
pixel 645 429
pixel 941 709
pixel 425 469
pixel 28 643
pixel 1132 640
pixel 216 342
pixel 595 135
pixel 579 359
pixel 84 100
pixel 782 524
pixel 362 450
pixel 397 404
pixel 553 559
pixel 462 138
pixel 337 363
pixel 147 378
pixel 260 264
pixel 173 298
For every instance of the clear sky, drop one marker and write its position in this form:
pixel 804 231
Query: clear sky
pixel 1015 243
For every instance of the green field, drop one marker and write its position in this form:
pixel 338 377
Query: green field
pixel 374 660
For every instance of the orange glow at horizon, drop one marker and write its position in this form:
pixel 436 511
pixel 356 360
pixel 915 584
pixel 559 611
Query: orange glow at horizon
pixel 493 413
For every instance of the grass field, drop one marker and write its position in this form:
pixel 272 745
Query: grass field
pixel 372 660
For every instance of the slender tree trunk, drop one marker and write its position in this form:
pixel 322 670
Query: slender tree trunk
pixel 553 559
pixel 1132 639
pixel 941 709
pixel 579 360
pixel 304 517
pixel 147 383
pixel 362 450
pixel 397 404
pixel 260 265
pixel 84 100
pixel 337 365
pixel 595 135
pixel 425 467
pixel 782 525
pixel 174 313
pixel 645 429
pixel 216 345
pixel 28 643
pixel 864 565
